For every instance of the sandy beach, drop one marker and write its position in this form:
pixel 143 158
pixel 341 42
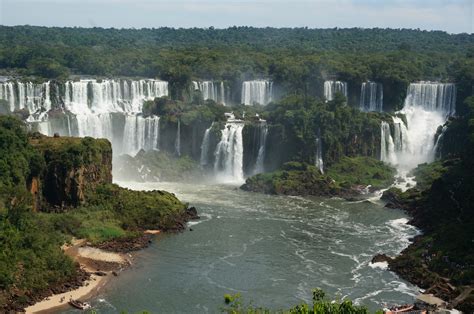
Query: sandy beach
pixel 91 260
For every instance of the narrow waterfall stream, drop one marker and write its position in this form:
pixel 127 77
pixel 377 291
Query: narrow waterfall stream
pixel 371 96
pixel 205 147
pixel 262 142
pixel 319 163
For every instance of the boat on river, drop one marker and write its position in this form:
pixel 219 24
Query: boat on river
pixel 79 304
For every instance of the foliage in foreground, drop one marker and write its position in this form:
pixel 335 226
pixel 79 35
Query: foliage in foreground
pixel 30 254
pixel 321 305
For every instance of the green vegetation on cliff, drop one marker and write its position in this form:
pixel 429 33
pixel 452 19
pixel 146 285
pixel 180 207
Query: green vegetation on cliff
pixel 347 177
pixel 349 172
pixel 54 188
pixel 344 131
pixel 293 179
pixel 442 207
pixel 30 258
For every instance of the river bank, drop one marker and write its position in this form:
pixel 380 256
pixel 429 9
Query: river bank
pixel 100 265
pixel 322 242
pixel 440 259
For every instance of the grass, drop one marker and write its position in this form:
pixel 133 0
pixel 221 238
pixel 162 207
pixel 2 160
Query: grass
pixel 351 171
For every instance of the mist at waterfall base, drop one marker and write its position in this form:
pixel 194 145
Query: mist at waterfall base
pixel 427 106
pixel 271 249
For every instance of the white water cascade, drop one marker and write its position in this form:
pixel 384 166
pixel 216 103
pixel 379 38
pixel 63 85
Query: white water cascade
pixel 427 106
pixel 177 142
pixel 262 142
pixel 204 160
pixel 332 87
pixel 257 92
pixel 319 163
pixel 92 96
pixel 229 153
pixel 211 90
pixel 141 133
pixel 26 95
pixel 94 103
pixel 98 108
pixel 371 97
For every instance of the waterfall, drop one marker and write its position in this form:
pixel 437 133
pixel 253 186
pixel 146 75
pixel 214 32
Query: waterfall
pixel 92 96
pixel 211 90
pixel 7 94
pixel 222 93
pixel 26 95
pixel 108 109
pixel 262 141
pixel 319 152
pixel 257 92
pixel 229 155
pixel 371 97
pixel 177 143
pixel 387 147
pixel 205 146
pixel 439 140
pixel 97 126
pixel 432 96
pixel 427 106
pixel 47 96
pixel 332 87
pixel 141 133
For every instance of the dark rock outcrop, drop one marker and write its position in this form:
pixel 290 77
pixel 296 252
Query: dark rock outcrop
pixel 380 258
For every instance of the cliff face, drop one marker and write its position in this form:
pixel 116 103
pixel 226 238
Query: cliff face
pixel 72 166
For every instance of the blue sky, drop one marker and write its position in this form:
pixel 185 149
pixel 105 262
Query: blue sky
pixel 453 16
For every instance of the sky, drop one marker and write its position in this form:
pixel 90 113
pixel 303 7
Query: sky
pixel 453 16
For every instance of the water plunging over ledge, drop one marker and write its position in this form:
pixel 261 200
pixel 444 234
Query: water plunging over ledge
pixel 427 106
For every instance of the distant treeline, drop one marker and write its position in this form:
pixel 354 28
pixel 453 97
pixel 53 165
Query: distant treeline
pixel 296 59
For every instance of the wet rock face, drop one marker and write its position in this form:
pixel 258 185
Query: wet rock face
pixel 72 165
pixel 380 258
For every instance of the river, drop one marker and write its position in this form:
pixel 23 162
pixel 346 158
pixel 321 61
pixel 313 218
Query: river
pixel 271 249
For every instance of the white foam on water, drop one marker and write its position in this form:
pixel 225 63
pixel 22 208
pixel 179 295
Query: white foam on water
pixel 380 265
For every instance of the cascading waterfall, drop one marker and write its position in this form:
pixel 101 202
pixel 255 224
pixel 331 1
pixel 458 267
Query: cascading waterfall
pixel 96 108
pixel 91 96
pixel 439 140
pixel 26 95
pixel 141 133
pixel 177 143
pixel 257 92
pixel 205 146
pixel 7 93
pixel 371 97
pixel 211 90
pixel 95 102
pixel 319 163
pixel 427 106
pixel 262 142
pixel 387 150
pixel 229 156
pixel 332 87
